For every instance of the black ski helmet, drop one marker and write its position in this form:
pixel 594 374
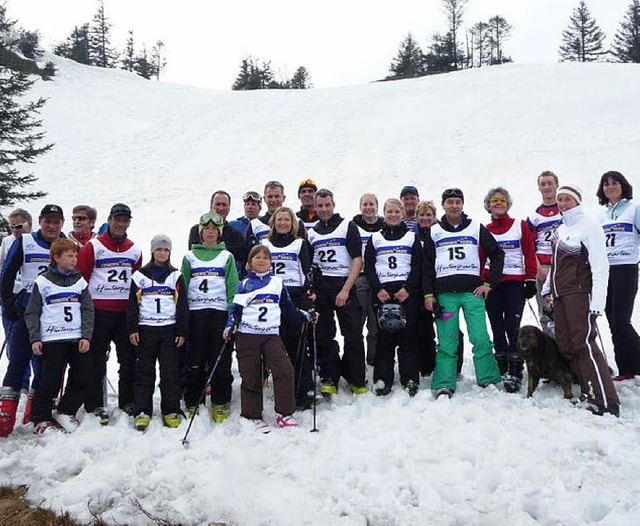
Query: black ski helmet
pixel 391 317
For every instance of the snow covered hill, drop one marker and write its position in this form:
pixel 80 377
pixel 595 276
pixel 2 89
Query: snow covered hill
pixel 484 457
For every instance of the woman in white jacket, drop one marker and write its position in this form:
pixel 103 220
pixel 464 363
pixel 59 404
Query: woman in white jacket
pixel 577 282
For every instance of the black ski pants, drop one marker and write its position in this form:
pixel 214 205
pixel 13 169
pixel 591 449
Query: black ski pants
pixel 157 344
pixel 505 304
pixel 621 293
pixel 352 365
pixel 406 341
pixel 203 348
pixel 296 336
pixel 55 357
pixel 110 327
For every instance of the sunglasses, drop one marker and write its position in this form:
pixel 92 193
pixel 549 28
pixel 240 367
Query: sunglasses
pixel 497 201
pixel 79 218
pixel 307 182
pixel 18 226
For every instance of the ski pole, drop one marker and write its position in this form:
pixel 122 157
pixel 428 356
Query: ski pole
pixel 300 355
pixel 315 377
pixel 185 442
pixel 6 339
pixel 535 316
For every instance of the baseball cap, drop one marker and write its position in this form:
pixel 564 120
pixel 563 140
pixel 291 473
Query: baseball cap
pixel 120 209
pixel 410 189
pixel 52 210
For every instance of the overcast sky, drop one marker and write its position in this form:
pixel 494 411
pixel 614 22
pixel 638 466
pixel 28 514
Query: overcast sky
pixel 341 42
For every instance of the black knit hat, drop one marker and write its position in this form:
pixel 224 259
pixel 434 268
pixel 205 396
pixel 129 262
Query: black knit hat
pixel 452 192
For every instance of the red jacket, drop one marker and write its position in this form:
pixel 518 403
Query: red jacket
pixel 86 264
pixel 527 244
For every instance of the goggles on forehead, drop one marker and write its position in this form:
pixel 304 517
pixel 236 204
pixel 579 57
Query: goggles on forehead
pixel 213 218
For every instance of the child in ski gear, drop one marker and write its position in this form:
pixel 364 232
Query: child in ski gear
pixel 258 307
pixel 451 279
pixel 392 264
pixel 107 263
pixel 210 277
pixel 157 318
pixel 505 302
pixel 291 256
pixel 28 257
pixel 59 318
pixel 577 282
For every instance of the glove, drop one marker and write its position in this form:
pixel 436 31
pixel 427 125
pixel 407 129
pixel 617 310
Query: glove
pixel 530 289
pixel 311 316
pixel 9 311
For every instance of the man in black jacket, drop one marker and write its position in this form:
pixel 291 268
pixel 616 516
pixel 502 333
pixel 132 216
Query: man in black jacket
pixel 337 260
pixel 221 203
pixel 454 254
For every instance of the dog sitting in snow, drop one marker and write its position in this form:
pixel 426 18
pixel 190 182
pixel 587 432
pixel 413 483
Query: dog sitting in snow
pixel 542 356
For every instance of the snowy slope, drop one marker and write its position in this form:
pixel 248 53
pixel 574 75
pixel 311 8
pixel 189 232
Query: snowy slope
pixel 484 457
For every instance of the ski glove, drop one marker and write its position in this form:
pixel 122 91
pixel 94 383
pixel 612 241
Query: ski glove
pixel 530 289
pixel 311 316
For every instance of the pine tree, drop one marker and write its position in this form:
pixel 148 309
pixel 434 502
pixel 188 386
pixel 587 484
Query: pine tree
pixel 454 9
pixel 499 31
pixel 255 74
pixel 582 41
pixel 76 47
pixel 143 65
pixel 157 58
pixel 626 43
pixel 102 54
pixel 20 137
pixel 6 24
pixel 129 55
pixel 300 79
pixel 442 55
pixel 409 62
pixel 29 44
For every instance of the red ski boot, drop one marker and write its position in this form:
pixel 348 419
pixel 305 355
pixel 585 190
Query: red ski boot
pixel 8 407
pixel 26 417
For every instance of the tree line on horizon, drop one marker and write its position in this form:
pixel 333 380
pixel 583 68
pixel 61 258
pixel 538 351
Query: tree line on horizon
pixel 91 44
pixel 583 40
pixel 482 44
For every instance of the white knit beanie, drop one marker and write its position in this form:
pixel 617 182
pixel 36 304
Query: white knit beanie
pixel 571 189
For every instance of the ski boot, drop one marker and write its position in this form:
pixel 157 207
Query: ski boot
pixel 443 392
pixel 328 388
pixel 286 421
pixel 142 421
pixel 172 420
pixel 26 417
pixel 219 412
pixel 9 398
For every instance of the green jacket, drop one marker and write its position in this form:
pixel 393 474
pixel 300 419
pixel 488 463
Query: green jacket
pixel 207 254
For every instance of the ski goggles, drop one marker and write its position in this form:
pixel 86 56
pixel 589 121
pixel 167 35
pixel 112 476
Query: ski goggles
pixel 497 201
pixel 211 218
pixel 252 196
pixel 18 226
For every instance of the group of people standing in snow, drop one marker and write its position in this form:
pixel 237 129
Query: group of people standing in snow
pixel 271 286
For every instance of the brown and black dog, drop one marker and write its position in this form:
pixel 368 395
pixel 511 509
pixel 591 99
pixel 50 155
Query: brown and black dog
pixel 540 352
